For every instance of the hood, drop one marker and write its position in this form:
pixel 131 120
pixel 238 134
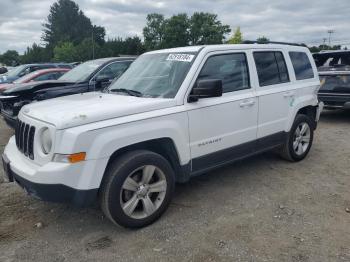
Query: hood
pixel 6 79
pixel 18 89
pixel 5 86
pixel 76 110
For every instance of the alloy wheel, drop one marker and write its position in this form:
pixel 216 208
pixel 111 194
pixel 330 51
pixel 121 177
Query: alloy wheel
pixel 302 136
pixel 143 192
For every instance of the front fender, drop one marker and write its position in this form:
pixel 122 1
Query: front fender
pixel 103 142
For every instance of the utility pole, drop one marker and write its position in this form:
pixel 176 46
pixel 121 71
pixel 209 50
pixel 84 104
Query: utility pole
pixel 93 44
pixel 324 43
pixel 330 32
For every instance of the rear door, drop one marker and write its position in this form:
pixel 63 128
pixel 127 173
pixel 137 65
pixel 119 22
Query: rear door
pixel 223 128
pixel 274 94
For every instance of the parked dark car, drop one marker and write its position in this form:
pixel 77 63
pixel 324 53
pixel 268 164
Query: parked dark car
pixel 39 75
pixel 3 70
pixel 23 70
pixel 334 72
pixel 94 75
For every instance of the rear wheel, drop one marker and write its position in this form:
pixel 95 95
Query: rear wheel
pixel 137 188
pixel 299 139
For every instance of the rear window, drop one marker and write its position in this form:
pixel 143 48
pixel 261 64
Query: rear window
pixel 333 59
pixel 302 66
pixel 271 68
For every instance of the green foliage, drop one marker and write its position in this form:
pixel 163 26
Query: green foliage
pixel 263 40
pixel 180 30
pixel 67 23
pixel 206 29
pixel 65 51
pixel 316 49
pixel 176 31
pixel 153 32
pixel 10 58
pixel 236 38
pixel 36 54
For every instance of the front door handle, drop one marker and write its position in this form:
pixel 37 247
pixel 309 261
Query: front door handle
pixel 247 103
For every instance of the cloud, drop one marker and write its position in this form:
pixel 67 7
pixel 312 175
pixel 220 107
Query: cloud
pixel 292 21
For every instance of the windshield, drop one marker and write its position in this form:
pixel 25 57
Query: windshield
pixel 15 72
pixel 155 75
pixel 82 71
pixel 336 59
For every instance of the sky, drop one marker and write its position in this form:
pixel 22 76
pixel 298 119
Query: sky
pixel 304 21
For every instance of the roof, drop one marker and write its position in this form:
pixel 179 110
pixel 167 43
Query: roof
pixel 209 48
pixel 332 52
pixel 47 70
pixel 107 59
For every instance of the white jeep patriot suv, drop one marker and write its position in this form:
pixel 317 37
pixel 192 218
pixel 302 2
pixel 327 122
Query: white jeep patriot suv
pixel 174 114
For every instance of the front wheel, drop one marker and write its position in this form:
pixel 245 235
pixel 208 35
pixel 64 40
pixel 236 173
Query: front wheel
pixel 299 139
pixel 137 188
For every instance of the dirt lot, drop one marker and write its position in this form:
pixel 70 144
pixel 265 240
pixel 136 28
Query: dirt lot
pixel 260 209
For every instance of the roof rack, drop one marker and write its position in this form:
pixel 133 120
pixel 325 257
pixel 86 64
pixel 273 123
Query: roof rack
pixel 270 42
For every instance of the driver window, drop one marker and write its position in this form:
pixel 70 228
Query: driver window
pixel 232 69
pixel 113 70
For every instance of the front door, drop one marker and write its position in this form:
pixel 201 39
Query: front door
pixel 223 128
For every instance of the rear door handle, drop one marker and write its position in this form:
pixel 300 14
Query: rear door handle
pixel 288 94
pixel 247 103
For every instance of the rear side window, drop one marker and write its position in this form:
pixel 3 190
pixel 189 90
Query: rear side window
pixel 271 68
pixel 232 69
pixel 302 66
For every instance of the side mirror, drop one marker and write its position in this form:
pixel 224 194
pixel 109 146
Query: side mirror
pixel 205 89
pixel 99 80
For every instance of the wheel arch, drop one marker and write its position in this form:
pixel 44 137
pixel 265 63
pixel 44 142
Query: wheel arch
pixel 165 147
pixel 308 110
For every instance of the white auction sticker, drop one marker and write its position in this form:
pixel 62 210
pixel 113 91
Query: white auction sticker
pixel 180 57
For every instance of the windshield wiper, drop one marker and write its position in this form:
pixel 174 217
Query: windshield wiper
pixel 127 91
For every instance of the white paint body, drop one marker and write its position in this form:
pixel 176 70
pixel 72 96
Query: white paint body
pixel 99 123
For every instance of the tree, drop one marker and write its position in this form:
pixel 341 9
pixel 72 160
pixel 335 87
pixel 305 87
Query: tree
pixel 205 28
pixel 180 30
pixel 133 46
pixel 67 23
pixel 36 54
pixel 176 31
pixel 10 58
pixel 236 38
pixel 153 32
pixel 65 52
pixel 263 40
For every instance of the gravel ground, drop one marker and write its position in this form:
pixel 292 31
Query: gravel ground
pixel 259 209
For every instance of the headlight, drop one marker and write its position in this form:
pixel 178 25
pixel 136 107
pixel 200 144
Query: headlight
pixel 46 141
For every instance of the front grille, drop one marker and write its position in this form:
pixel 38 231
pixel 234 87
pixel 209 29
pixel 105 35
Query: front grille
pixel 25 138
pixel 7 107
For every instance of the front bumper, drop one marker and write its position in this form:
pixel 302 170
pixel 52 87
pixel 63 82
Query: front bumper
pixel 9 119
pixel 45 182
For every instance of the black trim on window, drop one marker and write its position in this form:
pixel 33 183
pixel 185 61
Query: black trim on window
pixel 278 73
pixel 231 53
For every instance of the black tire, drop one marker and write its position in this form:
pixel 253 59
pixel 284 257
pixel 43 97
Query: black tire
pixel 117 173
pixel 287 151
